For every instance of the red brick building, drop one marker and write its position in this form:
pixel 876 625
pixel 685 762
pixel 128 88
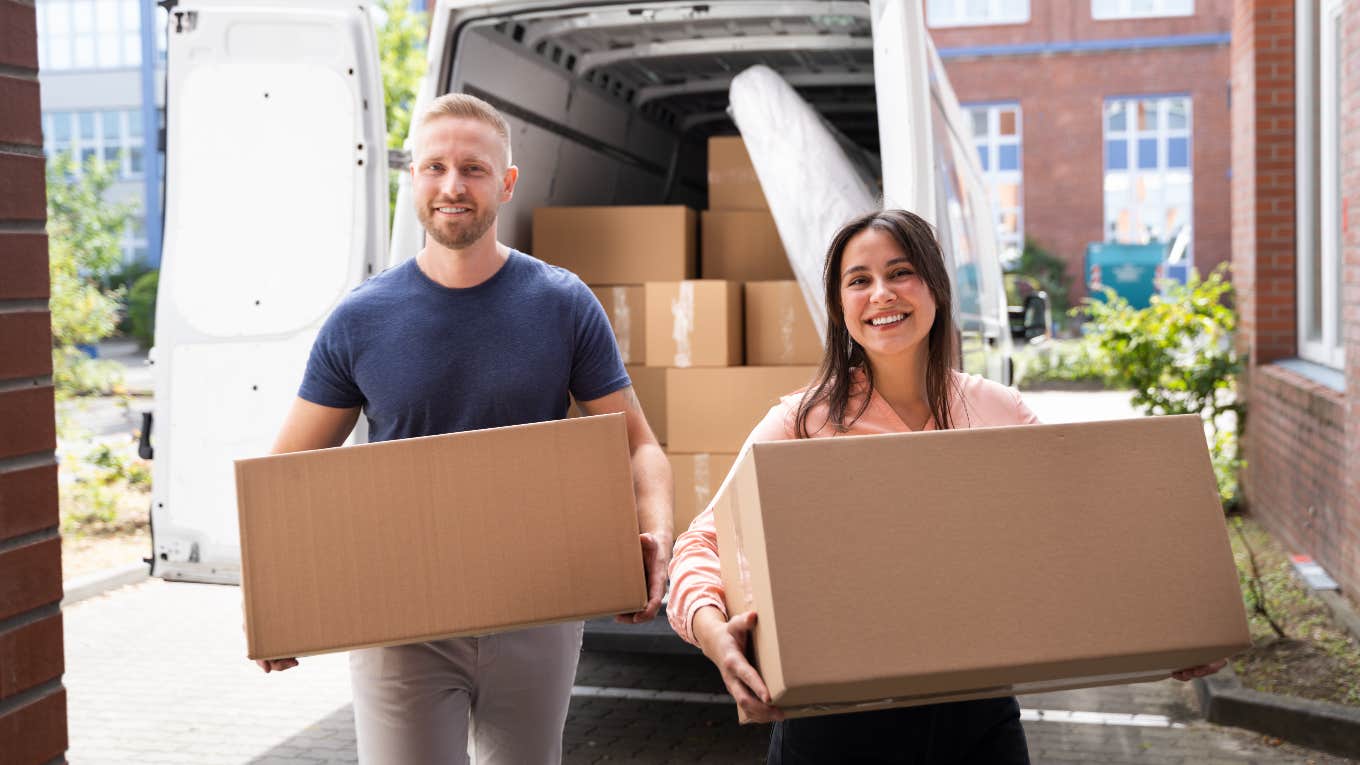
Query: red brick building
pixel 32 700
pixel 1111 116
pixel 1296 264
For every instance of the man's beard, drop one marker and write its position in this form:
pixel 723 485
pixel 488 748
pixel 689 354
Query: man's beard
pixel 462 236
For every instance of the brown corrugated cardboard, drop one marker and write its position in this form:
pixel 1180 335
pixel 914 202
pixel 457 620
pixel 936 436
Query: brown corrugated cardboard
pixel 618 245
pixel 741 245
pixel 779 329
pixel 649 383
pixel 697 477
pixel 694 323
pixel 714 409
pixel 461 534
pixel 977 563
pixel 732 181
pixel 624 305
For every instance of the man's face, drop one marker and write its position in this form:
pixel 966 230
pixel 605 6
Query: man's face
pixel 460 179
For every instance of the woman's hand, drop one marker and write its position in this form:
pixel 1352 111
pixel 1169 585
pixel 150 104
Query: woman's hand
pixel 724 643
pixel 1200 671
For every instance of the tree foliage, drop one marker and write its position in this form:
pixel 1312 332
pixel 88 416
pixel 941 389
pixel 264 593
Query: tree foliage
pixel 401 51
pixel 84 232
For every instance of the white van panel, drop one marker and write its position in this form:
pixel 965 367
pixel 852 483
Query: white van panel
pixel 276 206
pixel 902 88
pixel 208 435
pixel 264 262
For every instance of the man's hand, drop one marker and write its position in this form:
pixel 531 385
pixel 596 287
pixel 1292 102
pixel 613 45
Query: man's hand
pixel 1202 670
pixel 724 643
pixel 276 665
pixel 654 561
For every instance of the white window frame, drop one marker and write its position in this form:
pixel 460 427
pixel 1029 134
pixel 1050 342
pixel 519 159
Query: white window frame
pixel 97 141
pixel 936 18
pixel 122 58
pixel 1162 134
pixel 994 175
pixel 1125 10
pixel 1318 174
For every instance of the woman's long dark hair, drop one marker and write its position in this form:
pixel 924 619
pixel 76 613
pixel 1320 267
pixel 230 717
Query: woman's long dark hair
pixel 834 379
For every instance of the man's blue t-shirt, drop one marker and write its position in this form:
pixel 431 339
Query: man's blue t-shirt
pixel 423 359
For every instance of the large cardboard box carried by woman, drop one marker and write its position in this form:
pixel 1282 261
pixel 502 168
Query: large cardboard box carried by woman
pixel 924 567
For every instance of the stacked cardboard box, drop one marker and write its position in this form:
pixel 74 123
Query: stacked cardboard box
pixel 711 338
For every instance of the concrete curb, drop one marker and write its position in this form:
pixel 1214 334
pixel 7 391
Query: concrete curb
pixel 100 582
pixel 1320 725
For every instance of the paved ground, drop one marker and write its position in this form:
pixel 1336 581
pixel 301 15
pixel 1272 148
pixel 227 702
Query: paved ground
pixel 156 674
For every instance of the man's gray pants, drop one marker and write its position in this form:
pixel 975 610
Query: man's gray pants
pixel 418 703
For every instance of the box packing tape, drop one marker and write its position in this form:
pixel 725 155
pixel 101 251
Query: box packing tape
pixel 682 324
pixel 622 319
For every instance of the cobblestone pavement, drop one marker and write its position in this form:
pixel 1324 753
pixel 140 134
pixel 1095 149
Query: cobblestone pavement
pixel 156 674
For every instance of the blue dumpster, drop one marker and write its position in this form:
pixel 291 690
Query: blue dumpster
pixel 1131 270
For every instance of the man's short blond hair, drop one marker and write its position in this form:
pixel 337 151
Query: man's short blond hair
pixel 465 106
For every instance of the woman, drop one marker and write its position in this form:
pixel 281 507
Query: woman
pixel 888 368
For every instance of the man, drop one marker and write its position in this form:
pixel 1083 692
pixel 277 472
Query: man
pixel 471 334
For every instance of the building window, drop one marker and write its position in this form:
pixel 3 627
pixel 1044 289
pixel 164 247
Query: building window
pixel 996 135
pixel 112 137
pixel 1318 188
pixel 968 13
pixel 89 34
pixel 1148 177
pixel 1140 9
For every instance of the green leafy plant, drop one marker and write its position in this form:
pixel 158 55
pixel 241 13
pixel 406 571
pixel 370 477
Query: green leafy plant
pixel 1178 357
pixel 84 232
pixel 1080 360
pixel 141 308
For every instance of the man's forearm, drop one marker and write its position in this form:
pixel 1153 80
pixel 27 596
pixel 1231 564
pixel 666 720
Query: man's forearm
pixel 655 494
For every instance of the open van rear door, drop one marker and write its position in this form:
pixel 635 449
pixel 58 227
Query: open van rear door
pixel 276 207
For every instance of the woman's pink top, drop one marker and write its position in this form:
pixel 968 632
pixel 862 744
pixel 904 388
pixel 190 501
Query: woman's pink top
pixel 696 579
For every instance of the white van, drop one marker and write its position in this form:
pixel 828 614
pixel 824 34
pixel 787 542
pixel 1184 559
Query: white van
pixel 276 183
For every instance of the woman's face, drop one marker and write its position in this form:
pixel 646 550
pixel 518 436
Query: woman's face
pixel 888 308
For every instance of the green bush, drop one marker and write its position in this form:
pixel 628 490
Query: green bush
pixel 1081 360
pixel 1178 357
pixel 141 309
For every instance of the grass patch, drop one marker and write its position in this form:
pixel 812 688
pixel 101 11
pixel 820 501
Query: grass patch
pixel 1316 659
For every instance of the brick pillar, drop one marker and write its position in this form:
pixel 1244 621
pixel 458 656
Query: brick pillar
pixel 32 700
pixel 1262 192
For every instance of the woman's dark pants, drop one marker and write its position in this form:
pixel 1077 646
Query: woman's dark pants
pixel 985 732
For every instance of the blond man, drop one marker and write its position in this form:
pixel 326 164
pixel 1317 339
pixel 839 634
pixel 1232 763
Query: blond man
pixel 471 334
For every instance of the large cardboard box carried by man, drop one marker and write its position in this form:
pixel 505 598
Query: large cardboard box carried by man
pixel 918 568
pixel 443 536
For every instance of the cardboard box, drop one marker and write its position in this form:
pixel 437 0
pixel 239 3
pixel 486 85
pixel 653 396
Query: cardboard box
pixel 649 383
pixel 741 245
pixel 427 538
pixel 979 563
pixel 732 181
pixel 779 329
pixel 618 245
pixel 625 307
pixel 695 323
pixel 697 478
pixel 713 410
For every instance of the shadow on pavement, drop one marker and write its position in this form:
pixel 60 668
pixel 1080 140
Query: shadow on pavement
pixel 329 740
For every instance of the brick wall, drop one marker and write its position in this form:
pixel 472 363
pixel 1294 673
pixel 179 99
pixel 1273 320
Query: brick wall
pixel 1302 437
pixel 32 700
pixel 1350 236
pixel 1062 21
pixel 1062 101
